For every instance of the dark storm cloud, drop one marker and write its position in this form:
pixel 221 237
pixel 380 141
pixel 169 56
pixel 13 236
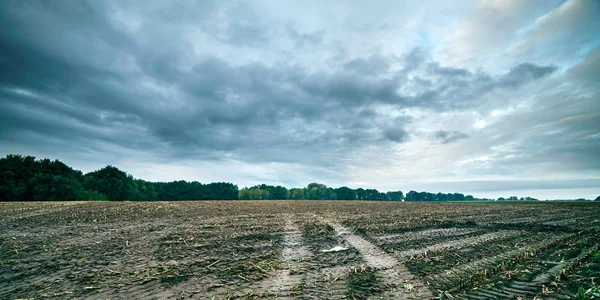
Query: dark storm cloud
pixel 71 130
pixel 216 106
pixel 192 81
pixel 445 88
pixel 448 136
pixel 523 73
pixel 422 82
pixel 351 88
pixel 395 130
pixel 397 135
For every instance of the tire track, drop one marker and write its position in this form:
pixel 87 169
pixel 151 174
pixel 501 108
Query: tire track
pixel 294 253
pixel 326 283
pixel 456 244
pixel 553 272
pixel 414 235
pixel 468 268
pixel 397 281
pixel 510 290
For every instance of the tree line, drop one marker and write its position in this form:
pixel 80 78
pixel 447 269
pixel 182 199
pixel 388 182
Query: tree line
pixel 23 178
pixel 316 191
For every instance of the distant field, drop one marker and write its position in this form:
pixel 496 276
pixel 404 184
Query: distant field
pixel 256 249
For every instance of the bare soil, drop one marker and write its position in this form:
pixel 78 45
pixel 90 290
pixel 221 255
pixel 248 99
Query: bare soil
pixel 272 249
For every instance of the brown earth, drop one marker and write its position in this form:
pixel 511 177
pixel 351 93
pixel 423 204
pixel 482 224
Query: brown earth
pixel 272 249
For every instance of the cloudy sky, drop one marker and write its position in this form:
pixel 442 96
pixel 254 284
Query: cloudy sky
pixel 493 98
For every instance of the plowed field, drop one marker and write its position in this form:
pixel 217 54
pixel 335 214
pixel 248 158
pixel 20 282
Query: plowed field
pixel 274 249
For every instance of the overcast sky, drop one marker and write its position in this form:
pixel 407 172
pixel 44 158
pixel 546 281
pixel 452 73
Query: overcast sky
pixel 492 98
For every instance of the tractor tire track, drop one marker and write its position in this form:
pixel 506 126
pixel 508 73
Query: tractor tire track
pixel 414 235
pixel 293 253
pixel 514 288
pixel 456 244
pixel 282 282
pixel 465 269
pixel 326 283
pixel 553 272
pixel 397 281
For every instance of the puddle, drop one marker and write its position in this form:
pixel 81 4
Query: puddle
pixel 335 249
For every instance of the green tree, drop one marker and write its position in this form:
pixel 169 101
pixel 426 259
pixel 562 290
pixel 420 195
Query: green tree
pixel 412 196
pixel 345 193
pixel 146 190
pixel 459 197
pixel 24 178
pixel 113 183
pixel 278 192
pixel 318 191
pixel 296 194
pixel 15 172
pixel 395 196
pixel 441 197
pixel 253 194
pixel 361 194
pixel 373 194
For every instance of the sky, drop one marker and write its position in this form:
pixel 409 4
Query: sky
pixel 490 98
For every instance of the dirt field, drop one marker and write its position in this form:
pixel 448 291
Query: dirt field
pixel 273 249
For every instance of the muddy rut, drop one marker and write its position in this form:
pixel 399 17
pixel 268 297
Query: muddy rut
pixel 396 280
pixel 457 244
pixel 294 253
pixel 274 249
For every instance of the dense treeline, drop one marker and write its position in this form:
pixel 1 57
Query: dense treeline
pixel 316 191
pixel 23 178
pixel 515 198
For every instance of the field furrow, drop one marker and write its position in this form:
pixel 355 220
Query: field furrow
pixel 298 250
pixel 455 244
pixel 421 234
pixel 395 280
pixel 294 254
